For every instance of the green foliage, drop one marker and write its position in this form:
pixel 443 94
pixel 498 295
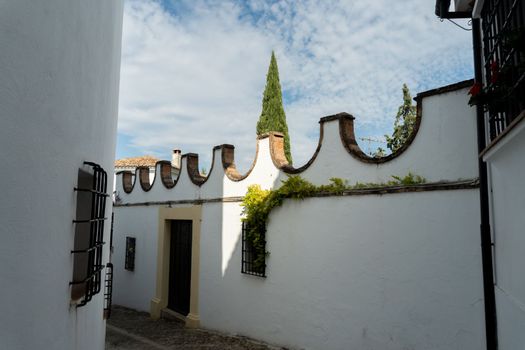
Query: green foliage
pixel 403 126
pixel 272 116
pixel 295 187
pixel 409 179
pixel 404 123
pixel 336 186
pixel 380 152
pixel 256 213
pixel 259 203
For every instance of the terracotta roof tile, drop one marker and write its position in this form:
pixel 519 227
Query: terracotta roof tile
pixel 148 161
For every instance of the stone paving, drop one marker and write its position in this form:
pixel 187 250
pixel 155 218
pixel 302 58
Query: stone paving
pixel 132 330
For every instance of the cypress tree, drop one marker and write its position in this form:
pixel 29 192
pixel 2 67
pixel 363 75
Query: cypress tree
pixel 404 123
pixel 272 116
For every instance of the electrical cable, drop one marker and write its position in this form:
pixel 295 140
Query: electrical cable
pixel 460 26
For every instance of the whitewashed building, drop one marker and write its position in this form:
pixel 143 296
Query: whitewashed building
pixel 59 79
pixel 132 163
pixel 498 29
pixel 396 267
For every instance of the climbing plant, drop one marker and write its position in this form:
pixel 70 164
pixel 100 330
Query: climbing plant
pixel 258 203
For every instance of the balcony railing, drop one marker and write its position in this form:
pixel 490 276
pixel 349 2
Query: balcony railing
pixel 503 23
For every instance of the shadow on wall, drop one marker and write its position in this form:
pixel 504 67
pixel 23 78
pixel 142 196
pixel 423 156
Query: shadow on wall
pixel 222 286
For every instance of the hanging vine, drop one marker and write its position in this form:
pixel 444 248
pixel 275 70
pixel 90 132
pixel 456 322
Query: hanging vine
pixel 259 203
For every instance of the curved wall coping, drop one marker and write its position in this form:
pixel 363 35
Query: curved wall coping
pixel 276 143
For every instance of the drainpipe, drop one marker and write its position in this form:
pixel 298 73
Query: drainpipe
pixel 486 239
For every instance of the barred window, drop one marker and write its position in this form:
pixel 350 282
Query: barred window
pixel 89 233
pixel 108 290
pixel 250 265
pixel 129 263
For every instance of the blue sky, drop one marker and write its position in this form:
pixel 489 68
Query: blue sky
pixel 193 72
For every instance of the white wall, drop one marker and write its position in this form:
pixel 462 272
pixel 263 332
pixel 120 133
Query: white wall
pixel 59 69
pixel 442 150
pixel 132 169
pixel 135 288
pixel 506 163
pixel 400 271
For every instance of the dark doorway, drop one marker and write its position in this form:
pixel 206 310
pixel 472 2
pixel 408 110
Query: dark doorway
pixel 180 266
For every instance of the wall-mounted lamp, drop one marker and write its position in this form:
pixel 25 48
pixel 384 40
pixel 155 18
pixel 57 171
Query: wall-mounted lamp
pixel 463 9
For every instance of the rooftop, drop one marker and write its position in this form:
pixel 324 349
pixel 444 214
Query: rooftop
pixel 148 161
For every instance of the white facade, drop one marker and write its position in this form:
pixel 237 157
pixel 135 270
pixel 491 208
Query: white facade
pixel 59 71
pixel 392 271
pixel 506 163
pixel 348 272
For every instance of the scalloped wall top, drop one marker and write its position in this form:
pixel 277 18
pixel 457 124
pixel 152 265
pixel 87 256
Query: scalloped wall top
pixel 345 124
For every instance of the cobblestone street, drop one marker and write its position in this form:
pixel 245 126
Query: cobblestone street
pixel 129 330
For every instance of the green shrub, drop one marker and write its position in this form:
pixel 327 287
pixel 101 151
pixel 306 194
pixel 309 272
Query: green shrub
pixel 259 203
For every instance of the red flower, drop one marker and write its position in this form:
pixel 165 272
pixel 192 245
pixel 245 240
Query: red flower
pixel 494 72
pixel 475 89
pixel 494 66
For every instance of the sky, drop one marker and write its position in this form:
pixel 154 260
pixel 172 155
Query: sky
pixel 193 72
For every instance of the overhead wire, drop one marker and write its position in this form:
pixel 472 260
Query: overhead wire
pixel 458 25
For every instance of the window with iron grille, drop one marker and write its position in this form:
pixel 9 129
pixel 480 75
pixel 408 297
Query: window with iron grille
pixel 108 285
pixel 503 26
pixel 89 233
pixel 250 255
pixel 108 290
pixel 129 263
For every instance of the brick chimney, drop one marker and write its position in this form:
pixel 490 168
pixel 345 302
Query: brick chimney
pixel 175 158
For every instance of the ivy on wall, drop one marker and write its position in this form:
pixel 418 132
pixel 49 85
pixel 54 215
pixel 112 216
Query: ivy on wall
pixel 259 203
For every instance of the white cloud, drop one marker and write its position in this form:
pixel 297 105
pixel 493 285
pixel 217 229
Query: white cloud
pixel 193 77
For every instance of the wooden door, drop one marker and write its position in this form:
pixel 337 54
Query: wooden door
pixel 180 266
